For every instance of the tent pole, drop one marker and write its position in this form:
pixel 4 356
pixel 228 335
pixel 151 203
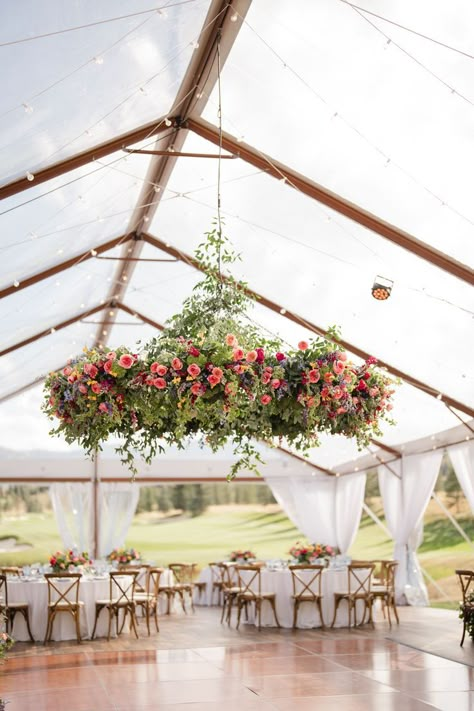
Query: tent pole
pixel 95 495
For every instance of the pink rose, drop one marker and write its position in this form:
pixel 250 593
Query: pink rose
pixel 314 376
pixel 340 410
pixel 337 393
pixel 338 367
pixel 176 364
pixel 328 377
pixel 238 354
pixel 95 387
pixel 213 380
pixel 108 366
pixel 342 355
pixel 231 340
pixel 159 383
pixel 265 399
pixel 82 389
pixel 67 371
pixel 251 356
pixel 111 356
pixel 275 383
pixel 90 369
pixel 217 372
pixel 310 402
pixel 260 355
pixel 196 388
pixel 194 370
pixel 161 370
pixel 126 361
pixel 303 346
pixel 280 356
pixel 325 392
pixel 72 379
pixel 266 377
pixel 153 367
pixel 347 378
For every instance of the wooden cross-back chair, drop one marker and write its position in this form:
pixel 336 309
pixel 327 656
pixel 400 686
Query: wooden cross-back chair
pixel 183 575
pixel 122 586
pixel 466 580
pixel 10 570
pixel 148 600
pixel 385 589
pixel 306 581
pixel 63 598
pixel 230 589
pixel 10 609
pixel 359 578
pixel 250 584
pixel 217 582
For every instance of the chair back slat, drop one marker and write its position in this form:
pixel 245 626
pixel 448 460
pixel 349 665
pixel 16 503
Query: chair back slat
pixel 58 594
pixel 183 572
pixel 10 570
pixel 123 586
pixel 251 582
pixel 153 581
pixel 466 579
pixel 306 579
pixel 359 577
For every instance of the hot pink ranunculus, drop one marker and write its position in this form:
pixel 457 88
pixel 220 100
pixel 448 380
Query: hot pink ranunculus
pixel 275 383
pixel 95 387
pixel 194 370
pixel 251 356
pixel 159 383
pixel 108 366
pixel 161 370
pixel 314 375
pixel 265 399
pixel 266 377
pixel 280 356
pixel 260 355
pixel 362 385
pixel 238 354
pixel 303 346
pixel 213 380
pixel 338 367
pixel 231 340
pixel 126 361
pixel 177 364
pixel 194 351
pixel 196 388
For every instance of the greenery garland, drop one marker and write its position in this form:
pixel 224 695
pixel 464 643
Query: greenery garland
pixel 210 373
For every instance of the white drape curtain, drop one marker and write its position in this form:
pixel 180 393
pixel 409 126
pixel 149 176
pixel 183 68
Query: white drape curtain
pixel 117 506
pixel 462 459
pixel 72 506
pixel 405 496
pixel 325 509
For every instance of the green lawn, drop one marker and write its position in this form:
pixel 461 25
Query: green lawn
pixel 267 532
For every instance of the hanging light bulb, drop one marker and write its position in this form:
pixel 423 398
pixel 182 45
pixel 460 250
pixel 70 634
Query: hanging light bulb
pixel 30 176
pixel 28 108
pixel 16 283
pixel 234 17
pixel 168 121
pixel 381 288
pixel 98 60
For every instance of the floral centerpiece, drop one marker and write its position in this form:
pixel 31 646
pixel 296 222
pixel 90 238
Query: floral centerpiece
pixel 311 552
pixel 62 562
pixel 211 373
pixel 242 555
pixel 124 556
pixel 466 613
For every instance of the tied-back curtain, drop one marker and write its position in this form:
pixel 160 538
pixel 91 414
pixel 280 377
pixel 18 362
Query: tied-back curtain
pixel 462 459
pixel 118 503
pixel 72 506
pixel 406 492
pixel 326 509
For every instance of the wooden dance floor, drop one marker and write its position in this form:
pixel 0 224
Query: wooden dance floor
pixel 195 664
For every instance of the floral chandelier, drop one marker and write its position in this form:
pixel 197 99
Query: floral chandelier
pixel 210 373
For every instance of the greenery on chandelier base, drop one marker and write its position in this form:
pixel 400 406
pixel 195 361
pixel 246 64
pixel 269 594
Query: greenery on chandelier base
pixel 213 375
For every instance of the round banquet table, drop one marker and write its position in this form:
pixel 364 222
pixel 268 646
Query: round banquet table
pixel 35 593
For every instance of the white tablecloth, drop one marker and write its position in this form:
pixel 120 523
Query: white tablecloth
pixel 279 582
pixel 35 593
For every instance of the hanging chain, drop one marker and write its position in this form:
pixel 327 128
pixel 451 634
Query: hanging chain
pixel 219 162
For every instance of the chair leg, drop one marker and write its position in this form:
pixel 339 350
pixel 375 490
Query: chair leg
pixel 258 610
pixel 239 612
pixel 463 633
pixel 395 611
pixel 388 612
pixel 155 608
pixel 295 614
pixel 224 606
pixel 46 637
pixel 191 595
pixel 229 609
pixel 133 621
pixel 26 615
pixel 78 625
pixel 273 604
pixel 147 616
pixel 320 608
pixel 111 614
pixel 336 605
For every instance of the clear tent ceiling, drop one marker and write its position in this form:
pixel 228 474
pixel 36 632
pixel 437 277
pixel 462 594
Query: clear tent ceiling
pixel 369 110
